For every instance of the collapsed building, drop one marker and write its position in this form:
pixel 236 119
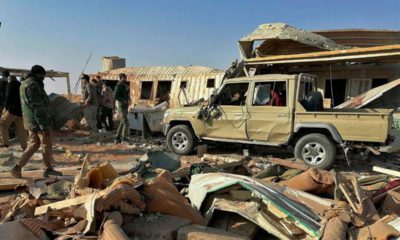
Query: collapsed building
pixel 347 62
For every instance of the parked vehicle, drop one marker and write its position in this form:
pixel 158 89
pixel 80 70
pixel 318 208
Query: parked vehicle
pixel 277 110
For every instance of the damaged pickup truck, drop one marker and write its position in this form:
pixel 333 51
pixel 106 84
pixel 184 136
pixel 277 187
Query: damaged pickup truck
pixel 278 110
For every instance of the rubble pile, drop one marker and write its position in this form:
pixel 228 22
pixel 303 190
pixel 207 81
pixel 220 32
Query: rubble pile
pixel 226 197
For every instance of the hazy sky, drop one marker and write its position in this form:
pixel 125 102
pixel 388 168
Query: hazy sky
pixel 61 34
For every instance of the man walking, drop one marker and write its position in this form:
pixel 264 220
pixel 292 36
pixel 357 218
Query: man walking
pixel 37 120
pixel 107 102
pixel 121 94
pixel 3 88
pixel 13 114
pixel 91 103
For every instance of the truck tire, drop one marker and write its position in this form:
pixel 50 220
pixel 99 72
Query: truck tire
pixel 316 150
pixel 181 140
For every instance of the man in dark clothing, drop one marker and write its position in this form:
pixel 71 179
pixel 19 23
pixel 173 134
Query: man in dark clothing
pixel 13 114
pixel 99 88
pixel 121 95
pixel 3 89
pixel 37 120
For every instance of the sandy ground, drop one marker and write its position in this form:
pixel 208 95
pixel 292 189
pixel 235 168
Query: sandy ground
pixel 72 147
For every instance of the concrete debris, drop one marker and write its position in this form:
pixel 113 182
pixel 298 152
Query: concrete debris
pixel 220 196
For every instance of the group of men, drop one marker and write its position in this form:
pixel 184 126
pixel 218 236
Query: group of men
pixel 99 103
pixel 26 104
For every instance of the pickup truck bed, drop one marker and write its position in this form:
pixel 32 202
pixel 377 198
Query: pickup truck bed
pixel 359 125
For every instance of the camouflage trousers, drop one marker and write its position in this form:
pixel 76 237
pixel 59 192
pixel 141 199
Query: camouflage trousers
pixel 36 139
pixel 123 127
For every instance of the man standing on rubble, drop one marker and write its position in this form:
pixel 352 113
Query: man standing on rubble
pixel 3 87
pixel 13 114
pixel 37 120
pixel 91 103
pixel 121 94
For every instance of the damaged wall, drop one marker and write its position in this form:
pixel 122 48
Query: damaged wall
pixel 186 84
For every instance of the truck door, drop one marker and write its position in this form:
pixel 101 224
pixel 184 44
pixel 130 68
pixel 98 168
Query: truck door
pixel 231 121
pixel 270 119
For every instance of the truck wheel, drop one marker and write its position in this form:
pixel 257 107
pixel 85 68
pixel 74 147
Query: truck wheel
pixel 316 150
pixel 181 140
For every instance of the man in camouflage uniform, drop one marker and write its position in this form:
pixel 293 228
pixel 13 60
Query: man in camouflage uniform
pixel 121 95
pixel 37 120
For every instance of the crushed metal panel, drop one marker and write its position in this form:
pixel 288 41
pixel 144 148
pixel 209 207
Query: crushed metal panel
pixel 385 96
pixel 248 210
pixel 307 219
pixel 283 31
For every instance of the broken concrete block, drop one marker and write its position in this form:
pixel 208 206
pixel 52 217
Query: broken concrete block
pixel 154 226
pixel 196 232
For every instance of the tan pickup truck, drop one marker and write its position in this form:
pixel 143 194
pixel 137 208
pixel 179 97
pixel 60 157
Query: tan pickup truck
pixel 277 110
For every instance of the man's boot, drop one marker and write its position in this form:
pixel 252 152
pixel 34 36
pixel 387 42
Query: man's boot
pixel 16 171
pixel 50 171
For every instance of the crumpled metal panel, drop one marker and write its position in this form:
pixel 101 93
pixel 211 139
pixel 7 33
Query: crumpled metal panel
pixel 270 193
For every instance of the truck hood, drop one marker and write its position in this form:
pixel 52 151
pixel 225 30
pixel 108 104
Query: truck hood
pixel 386 96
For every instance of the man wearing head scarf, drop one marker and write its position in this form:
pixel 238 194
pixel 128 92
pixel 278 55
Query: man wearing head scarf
pixel 13 114
pixel 37 120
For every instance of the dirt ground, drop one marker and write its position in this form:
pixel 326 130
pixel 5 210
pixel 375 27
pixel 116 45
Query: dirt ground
pixel 71 147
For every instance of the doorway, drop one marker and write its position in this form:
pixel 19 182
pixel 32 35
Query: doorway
pixel 338 88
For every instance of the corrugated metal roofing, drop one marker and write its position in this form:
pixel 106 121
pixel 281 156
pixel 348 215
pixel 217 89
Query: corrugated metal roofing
pixel 162 71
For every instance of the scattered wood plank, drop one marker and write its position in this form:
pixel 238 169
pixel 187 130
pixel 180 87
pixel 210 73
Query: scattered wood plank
pixel 345 192
pixel 68 203
pixel 386 171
